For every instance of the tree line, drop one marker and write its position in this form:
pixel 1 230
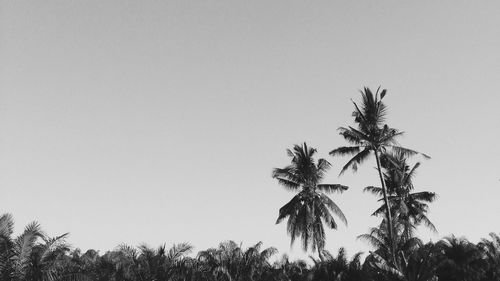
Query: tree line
pixel 396 252
pixel 34 256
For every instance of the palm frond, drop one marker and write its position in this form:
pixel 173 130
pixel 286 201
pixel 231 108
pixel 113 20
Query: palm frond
pixel 268 253
pixel 425 196
pixel 179 250
pixel 329 188
pixel 371 240
pixel 388 135
pixel 386 266
pixel 321 169
pixel 423 218
pixel 288 184
pixel 407 152
pixel 356 160
pixel 290 173
pixel 350 136
pixel 408 177
pixel 345 150
pixel 380 210
pixel 333 207
pixel 289 208
pixel 6 225
pixel 325 214
pixel 374 190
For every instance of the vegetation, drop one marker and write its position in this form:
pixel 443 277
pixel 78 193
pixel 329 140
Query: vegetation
pixel 397 254
pixel 35 257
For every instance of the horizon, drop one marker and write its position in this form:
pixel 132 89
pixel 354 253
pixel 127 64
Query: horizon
pixel 161 122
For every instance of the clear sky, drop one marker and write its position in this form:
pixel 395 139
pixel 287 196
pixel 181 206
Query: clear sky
pixel 161 121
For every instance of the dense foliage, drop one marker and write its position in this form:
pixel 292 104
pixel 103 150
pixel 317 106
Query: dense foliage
pixel 34 256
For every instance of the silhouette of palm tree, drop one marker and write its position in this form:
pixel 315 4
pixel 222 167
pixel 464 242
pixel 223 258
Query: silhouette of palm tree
pixel 307 211
pixel 371 135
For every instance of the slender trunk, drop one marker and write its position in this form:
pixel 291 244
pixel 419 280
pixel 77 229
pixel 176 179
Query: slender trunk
pixel 387 207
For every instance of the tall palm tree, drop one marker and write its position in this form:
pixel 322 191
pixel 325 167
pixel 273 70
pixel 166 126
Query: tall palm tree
pixel 307 210
pixel 410 208
pixel 372 135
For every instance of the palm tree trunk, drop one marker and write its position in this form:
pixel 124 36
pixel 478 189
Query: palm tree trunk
pixel 387 206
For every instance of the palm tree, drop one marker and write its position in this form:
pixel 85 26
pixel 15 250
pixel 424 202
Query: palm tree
pixel 146 263
pixel 396 249
pixel 222 262
pixel 421 265
pixel 371 136
pixel 338 268
pixel 307 210
pixel 45 262
pixel 32 255
pixel 408 207
pixel 491 249
pixel 414 260
pixel 463 260
pixel 257 261
pixel 230 262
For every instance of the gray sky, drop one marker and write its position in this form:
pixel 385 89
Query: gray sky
pixel 160 121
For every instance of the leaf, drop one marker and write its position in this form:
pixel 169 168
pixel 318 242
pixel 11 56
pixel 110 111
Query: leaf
pixel 345 150
pixel 334 208
pixel 328 188
pixel 357 159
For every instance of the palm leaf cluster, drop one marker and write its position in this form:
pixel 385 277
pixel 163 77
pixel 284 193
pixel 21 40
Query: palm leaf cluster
pixel 408 207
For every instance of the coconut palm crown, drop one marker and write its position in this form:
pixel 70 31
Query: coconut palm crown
pixel 409 207
pixel 372 134
pixel 311 207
